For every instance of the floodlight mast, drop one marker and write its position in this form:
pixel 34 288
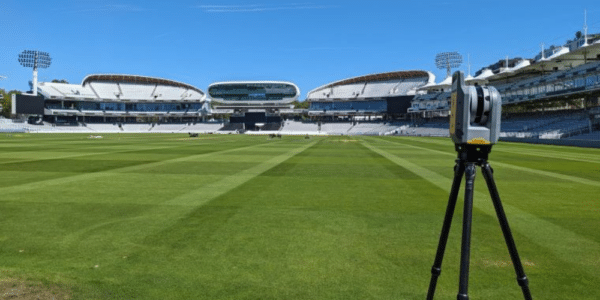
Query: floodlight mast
pixel 448 61
pixel 35 59
pixel 585 28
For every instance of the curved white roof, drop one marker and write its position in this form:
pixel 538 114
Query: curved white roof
pixel 561 51
pixel 522 64
pixel 113 87
pixel 485 74
pixel 561 59
pixel 136 79
pixel 431 78
pixel 557 52
pixel 390 84
pixel 446 82
pixel 430 83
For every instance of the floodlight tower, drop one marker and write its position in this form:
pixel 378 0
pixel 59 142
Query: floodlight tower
pixel 448 61
pixel 35 59
pixel 585 28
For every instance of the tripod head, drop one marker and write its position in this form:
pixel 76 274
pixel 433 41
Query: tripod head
pixel 475 114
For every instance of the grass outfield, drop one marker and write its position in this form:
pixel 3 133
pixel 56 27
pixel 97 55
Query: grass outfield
pixel 153 216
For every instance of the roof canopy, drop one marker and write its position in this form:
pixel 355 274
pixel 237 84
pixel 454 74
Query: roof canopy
pixel 137 79
pixel 379 77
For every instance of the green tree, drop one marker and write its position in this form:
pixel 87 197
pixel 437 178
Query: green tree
pixel 60 81
pixel 6 101
pixel 301 104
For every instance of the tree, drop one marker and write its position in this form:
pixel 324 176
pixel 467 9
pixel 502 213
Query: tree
pixel 6 101
pixel 301 105
pixel 578 34
pixel 59 81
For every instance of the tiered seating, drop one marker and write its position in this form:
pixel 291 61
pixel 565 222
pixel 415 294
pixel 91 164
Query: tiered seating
pixel 433 101
pixel 103 127
pixel 370 106
pixel 379 89
pixel 517 125
pixel 368 129
pixel 271 127
pixel 592 136
pixel 169 128
pixel 9 126
pixel 425 131
pixel 408 85
pixel 564 125
pixel 105 90
pixel 295 126
pixel 136 91
pixel 232 127
pixel 583 69
pixel 204 127
pixel 136 127
pixel 346 91
pixel 173 93
pixel 336 128
pixel 392 87
pixel 72 129
pixel 437 124
pixel 583 76
pixel 61 90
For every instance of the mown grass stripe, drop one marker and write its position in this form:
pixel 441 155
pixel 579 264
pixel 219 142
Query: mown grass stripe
pixel 84 154
pixel 193 199
pixel 517 148
pixel 213 190
pixel 551 155
pixel 101 146
pixel 524 169
pixel 88 176
pixel 566 244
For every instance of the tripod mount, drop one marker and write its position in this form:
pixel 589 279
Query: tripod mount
pixel 469 157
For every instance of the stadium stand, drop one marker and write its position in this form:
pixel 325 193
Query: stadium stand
pixel 336 128
pixel 561 74
pixel 122 98
pixel 256 105
pixel 383 94
pixel 591 136
pixel 300 127
pixel 271 127
pixel 403 102
pixel 232 127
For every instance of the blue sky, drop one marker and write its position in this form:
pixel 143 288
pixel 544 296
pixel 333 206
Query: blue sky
pixel 307 42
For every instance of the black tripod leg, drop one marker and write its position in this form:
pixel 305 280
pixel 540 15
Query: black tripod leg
pixel 436 270
pixel 465 252
pixel 510 242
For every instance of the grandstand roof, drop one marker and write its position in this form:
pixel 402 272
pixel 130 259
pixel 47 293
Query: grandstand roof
pixel 137 79
pixel 379 77
pixel 104 87
pixel 561 60
pixel 398 83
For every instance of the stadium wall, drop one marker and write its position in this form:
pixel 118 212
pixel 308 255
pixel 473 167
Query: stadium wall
pixel 559 142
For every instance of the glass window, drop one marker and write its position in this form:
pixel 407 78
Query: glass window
pixel 591 80
pixel 253 92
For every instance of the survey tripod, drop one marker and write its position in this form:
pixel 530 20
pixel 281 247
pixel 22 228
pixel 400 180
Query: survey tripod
pixel 470 156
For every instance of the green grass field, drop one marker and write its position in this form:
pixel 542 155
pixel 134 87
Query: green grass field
pixel 152 216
